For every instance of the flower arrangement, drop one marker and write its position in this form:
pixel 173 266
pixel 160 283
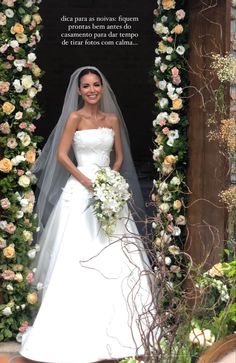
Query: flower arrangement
pixel 170 124
pixel 20 25
pixel 110 193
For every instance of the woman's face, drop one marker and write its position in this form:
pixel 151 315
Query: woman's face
pixel 90 88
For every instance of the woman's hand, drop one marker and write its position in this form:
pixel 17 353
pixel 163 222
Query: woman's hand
pixel 87 183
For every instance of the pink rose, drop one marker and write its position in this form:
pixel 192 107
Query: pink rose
pixel 170 228
pixel 30 277
pixel 8 275
pixel 176 80
pixel 5 203
pixel 10 57
pixel 31 128
pixel 20 172
pixel 162 122
pixel 166 130
pixel 23 125
pixel 170 217
pixel 169 39
pixel 7 65
pixel 180 14
pixel 175 72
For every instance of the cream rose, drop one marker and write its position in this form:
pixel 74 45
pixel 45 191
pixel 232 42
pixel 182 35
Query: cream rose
pixel 3 19
pixel 8 108
pixel 10 228
pixel 27 236
pixel 5 203
pixel 7 311
pixel 5 165
pixel 37 18
pixel 27 81
pixel 26 19
pixel 19 277
pixel 32 298
pixel 180 220
pixel 36 70
pixel 24 181
pixel 4 87
pixel 21 38
pixel 173 118
pixel 9 252
pixel 3 243
pixel 177 204
pixel 201 337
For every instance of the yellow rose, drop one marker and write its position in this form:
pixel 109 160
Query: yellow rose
pixel 8 108
pixel 177 104
pixel 177 204
pixel 36 70
pixel 32 298
pixel 216 270
pixel 17 28
pixel 178 29
pixel 170 159
pixel 168 4
pixel 5 165
pixel 9 252
pixel 30 156
pixel 21 38
pixel 162 47
pixel 37 18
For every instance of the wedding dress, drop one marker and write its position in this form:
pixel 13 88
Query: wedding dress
pixel 97 293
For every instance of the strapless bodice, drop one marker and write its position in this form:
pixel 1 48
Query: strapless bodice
pixel 93 146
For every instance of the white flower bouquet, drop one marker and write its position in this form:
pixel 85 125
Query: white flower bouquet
pixel 110 193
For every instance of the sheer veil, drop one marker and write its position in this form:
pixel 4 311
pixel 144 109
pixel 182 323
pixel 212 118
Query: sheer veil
pixel 52 176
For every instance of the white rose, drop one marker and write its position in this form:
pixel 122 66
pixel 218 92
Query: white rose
pixel 18 86
pixel 164 19
pixel 172 96
pixel 3 224
pixel 14 44
pixel 27 235
pixel 175 181
pixel 32 253
pixel 18 115
pixel 168 261
pixel 163 67
pixel 19 214
pixel 28 3
pixel 27 81
pixel 10 287
pixel 169 50
pixel 157 61
pixel 179 90
pixel 180 50
pixel 19 64
pixel 162 85
pixel 9 13
pixel 168 57
pixel 7 311
pixel 164 207
pixel 31 57
pixel 163 102
pixel 24 181
pixel 176 231
pixel 174 250
pixel 19 337
pixel 39 286
pixel 17 160
pixel 26 19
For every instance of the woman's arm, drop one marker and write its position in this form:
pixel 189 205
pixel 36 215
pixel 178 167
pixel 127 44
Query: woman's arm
pixel 64 147
pixel 117 144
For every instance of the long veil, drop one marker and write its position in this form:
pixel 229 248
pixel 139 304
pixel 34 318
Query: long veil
pixel 52 176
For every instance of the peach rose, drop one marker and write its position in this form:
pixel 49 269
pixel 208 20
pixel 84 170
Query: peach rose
pixel 32 298
pixel 8 108
pixel 168 4
pixel 4 87
pixel 10 228
pixel 177 204
pixel 5 165
pixel 5 128
pixel 9 3
pixel 170 159
pixel 17 28
pixel 178 29
pixel 216 270
pixel 177 104
pixel 162 47
pixel 30 156
pixel 9 252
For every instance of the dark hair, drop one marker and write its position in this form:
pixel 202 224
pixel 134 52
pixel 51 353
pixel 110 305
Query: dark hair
pixel 87 71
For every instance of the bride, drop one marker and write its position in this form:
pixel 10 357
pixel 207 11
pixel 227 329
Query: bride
pixel 95 290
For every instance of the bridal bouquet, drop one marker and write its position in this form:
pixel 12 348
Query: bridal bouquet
pixel 110 193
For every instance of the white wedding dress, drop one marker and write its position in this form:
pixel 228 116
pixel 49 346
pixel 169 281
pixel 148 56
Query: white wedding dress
pixel 97 292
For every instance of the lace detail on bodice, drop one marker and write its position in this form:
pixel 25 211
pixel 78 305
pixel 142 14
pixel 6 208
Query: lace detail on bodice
pixel 93 146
